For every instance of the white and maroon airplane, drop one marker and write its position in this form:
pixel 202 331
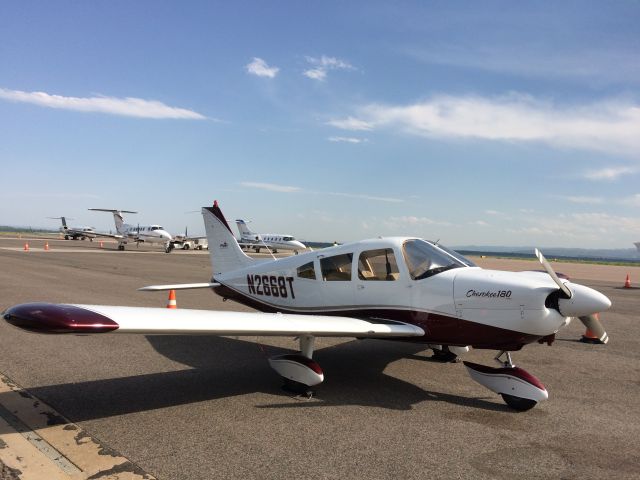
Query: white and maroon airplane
pixel 387 288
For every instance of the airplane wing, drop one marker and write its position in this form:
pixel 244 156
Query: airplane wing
pixel 85 319
pixel 106 235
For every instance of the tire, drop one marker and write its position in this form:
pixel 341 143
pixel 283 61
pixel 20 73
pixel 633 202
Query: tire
pixel 121 248
pixel 518 403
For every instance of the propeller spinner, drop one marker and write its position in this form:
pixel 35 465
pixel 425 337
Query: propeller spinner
pixel 579 301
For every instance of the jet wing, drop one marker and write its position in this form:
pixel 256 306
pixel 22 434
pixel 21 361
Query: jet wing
pixel 85 319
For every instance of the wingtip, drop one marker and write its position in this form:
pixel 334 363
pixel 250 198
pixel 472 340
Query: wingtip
pixel 57 318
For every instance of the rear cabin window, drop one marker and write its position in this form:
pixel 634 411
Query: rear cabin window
pixel 378 265
pixel 307 271
pixel 336 268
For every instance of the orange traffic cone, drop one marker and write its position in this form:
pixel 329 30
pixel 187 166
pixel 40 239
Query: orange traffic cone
pixel 627 282
pixel 172 299
pixel 26 247
pixel 46 246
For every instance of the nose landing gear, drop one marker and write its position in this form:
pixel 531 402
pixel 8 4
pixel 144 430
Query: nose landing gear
pixel 518 388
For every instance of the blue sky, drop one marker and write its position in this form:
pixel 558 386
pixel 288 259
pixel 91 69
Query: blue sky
pixel 491 124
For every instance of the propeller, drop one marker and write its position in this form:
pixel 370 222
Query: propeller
pixel 579 301
pixel 563 287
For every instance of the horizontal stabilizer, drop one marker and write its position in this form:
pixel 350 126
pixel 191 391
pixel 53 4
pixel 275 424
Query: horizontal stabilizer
pixel 177 286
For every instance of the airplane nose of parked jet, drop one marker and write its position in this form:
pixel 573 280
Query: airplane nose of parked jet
pixel 584 301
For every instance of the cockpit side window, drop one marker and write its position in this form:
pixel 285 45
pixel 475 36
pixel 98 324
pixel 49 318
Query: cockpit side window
pixel 425 260
pixel 336 268
pixel 378 265
pixel 307 271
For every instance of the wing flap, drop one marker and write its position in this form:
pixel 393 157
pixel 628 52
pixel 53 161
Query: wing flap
pixel 63 318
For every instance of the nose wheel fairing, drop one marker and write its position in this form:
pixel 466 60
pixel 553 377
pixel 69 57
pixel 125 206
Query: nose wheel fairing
pixel 518 388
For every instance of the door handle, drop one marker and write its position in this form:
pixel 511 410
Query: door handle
pixel 360 287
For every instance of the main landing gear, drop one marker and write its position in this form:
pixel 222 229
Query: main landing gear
pixel 518 388
pixel 298 370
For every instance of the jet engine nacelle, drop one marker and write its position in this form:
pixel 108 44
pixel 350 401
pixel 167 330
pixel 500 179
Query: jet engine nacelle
pixel 298 368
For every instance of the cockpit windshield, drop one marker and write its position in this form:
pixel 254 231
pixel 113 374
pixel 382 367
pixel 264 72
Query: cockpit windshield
pixel 455 255
pixel 288 239
pixel 156 227
pixel 425 260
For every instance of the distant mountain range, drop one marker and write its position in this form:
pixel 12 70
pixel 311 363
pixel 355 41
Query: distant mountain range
pixel 622 254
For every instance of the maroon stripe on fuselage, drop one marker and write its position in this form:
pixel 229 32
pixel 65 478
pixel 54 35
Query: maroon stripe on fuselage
pixel 439 329
pixel 57 318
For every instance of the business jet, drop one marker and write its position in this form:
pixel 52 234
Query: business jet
pixel 75 233
pixel 397 288
pixel 152 234
pixel 270 241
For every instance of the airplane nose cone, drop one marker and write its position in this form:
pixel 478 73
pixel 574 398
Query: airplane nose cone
pixel 584 301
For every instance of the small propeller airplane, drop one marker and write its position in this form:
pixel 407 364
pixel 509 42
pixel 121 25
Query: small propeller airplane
pixel 398 288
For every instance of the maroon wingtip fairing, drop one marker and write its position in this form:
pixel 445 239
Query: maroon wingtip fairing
pixel 57 318
pixel 513 371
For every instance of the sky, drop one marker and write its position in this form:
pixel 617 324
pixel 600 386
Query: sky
pixel 475 123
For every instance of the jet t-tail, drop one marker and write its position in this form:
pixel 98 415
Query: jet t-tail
pixel 395 288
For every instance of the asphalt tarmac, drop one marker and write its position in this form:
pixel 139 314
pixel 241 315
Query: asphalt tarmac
pixel 209 407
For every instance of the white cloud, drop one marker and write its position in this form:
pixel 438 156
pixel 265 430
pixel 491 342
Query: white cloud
pixel 259 68
pixel 316 74
pixel 633 200
pixel 609 173
pixel 322 65
pixel 272 187
pixel 129 106
pixel 347 139
pixel 585 227
pixel 584 199
pixel 351 123
pixel 609 126
pixel 479 223
pixel 364 197
pixel 412 221
pixel 493 212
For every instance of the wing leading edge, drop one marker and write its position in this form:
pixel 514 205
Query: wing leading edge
pixel 85 319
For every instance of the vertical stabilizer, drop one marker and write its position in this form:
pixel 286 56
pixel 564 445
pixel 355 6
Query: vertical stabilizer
pixel 243 229
pixel 224 252
pixel 64 223
pixel 118 219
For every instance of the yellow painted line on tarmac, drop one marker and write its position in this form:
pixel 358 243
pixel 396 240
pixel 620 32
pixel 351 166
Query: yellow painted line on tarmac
pixel 38 443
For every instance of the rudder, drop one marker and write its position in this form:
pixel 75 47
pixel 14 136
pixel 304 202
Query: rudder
pixel 224 252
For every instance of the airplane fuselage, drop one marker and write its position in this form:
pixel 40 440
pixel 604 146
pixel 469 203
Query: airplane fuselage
pixel 455 304
pixel 273 241
pixel 146 233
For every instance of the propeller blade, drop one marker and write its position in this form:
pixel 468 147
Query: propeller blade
pixel 552 274
pixel 592 322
